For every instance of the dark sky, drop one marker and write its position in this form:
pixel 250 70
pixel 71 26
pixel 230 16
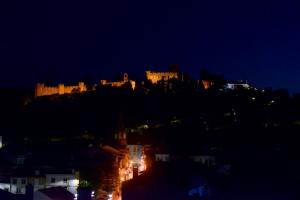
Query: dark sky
pixel 70 40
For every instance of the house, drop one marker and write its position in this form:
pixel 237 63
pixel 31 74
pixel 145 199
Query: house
pixel 191 154
pixel 237 85
pixel 39 179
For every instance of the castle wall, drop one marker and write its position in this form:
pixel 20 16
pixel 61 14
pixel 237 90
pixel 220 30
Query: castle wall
pixel 119 83
pixel 154 77
pixel 42 90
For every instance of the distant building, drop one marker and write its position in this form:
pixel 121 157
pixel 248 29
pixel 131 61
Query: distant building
pixel 135 153
pixel 18 181
pixel 162 157
pixel 237 85
pixel 42 90
pixel 205 160
pixel 155 77
pixel 163 154
pixel 0 142
pixel 136 156
pixel 229 85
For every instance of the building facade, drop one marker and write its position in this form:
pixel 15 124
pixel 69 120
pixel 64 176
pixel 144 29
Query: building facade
pixel 17 183
pixel 137 157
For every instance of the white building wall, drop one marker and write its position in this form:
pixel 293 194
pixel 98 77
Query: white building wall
pixel 69 181
pixel 18 187
pixel 5 186
pixel 55 180
pixel 135 153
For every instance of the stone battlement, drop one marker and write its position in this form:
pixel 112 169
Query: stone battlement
pixel 42 90
pixel 154 77
pixel 119 83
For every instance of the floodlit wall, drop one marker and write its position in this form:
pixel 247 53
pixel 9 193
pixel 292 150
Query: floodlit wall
pixel 43 90
pixel 119 83
pixel 154 77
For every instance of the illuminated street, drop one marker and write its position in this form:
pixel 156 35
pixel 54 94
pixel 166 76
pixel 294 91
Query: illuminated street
pixel 125 167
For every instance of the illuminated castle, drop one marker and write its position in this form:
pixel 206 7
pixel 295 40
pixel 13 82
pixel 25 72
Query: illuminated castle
pixel 154 77
pixel 120 83
pixel 43 90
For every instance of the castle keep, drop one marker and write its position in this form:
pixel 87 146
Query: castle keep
pixel 154 77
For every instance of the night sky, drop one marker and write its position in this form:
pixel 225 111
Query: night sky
pixel 65 41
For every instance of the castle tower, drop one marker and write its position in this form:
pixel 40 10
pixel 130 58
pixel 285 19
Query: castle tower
pixel 81 87
pixel 133 83
pixel 125 77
